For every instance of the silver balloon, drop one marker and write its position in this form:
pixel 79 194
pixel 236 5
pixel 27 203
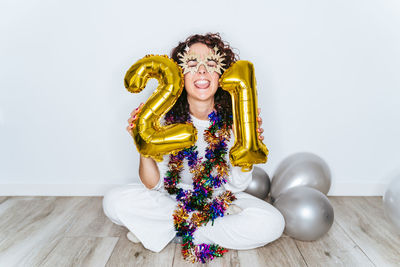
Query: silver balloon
pixel 260 184
pixel 301 169
pixel 391 203
pixel 308 213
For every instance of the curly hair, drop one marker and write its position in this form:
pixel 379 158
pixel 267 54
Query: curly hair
pixel 179 113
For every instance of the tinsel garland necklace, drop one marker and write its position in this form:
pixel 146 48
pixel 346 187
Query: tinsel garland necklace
pixel 196 206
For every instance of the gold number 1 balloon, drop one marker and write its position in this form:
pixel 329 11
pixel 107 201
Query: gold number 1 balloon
pixel 152 139
pixel 239 80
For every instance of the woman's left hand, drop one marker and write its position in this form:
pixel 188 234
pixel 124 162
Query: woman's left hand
pixel 259 130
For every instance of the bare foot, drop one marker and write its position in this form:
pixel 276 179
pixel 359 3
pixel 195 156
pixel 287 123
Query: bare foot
pixel 233 209
pixel 131 237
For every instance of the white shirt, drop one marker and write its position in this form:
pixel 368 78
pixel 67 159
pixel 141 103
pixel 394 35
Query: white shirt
pixel 236 181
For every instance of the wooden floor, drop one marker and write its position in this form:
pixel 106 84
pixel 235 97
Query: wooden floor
pixel 73 231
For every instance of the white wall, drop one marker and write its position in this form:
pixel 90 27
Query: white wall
pixel 327 72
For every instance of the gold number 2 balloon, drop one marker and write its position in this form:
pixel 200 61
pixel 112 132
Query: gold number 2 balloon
pixel 152 139
pixel 239 80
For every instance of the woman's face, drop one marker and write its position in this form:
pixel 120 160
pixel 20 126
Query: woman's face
pixel 201 85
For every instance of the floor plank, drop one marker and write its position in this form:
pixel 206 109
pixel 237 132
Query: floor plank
pixel 127 254
pixel 73 231
pixel 23 228
pixel 34 226
pixel 335 248
pixel 81 251
pixel 95 223
pixel 363 221
pixel 7 211
pixel 230 258
pixel 3 199
pixel 281 252
pixel 18 212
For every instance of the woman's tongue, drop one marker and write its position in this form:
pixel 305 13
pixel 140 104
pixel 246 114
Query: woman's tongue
pixel 202 84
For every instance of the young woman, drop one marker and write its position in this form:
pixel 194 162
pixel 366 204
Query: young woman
pixel 172 200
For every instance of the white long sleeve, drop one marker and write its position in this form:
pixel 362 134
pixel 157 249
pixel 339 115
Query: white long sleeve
pixel 238 180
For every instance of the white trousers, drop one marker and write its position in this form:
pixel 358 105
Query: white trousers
pixel 148 214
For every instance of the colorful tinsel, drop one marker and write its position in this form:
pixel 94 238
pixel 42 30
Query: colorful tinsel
pixel 196 206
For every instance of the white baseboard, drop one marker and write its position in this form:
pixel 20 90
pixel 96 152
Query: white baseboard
pixel 351 188
pixel 54 189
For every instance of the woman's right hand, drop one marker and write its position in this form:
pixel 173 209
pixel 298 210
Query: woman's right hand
pixel 148 170
pixel 133 118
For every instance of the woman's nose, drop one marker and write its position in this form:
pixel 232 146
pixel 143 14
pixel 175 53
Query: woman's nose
pixel 202 69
